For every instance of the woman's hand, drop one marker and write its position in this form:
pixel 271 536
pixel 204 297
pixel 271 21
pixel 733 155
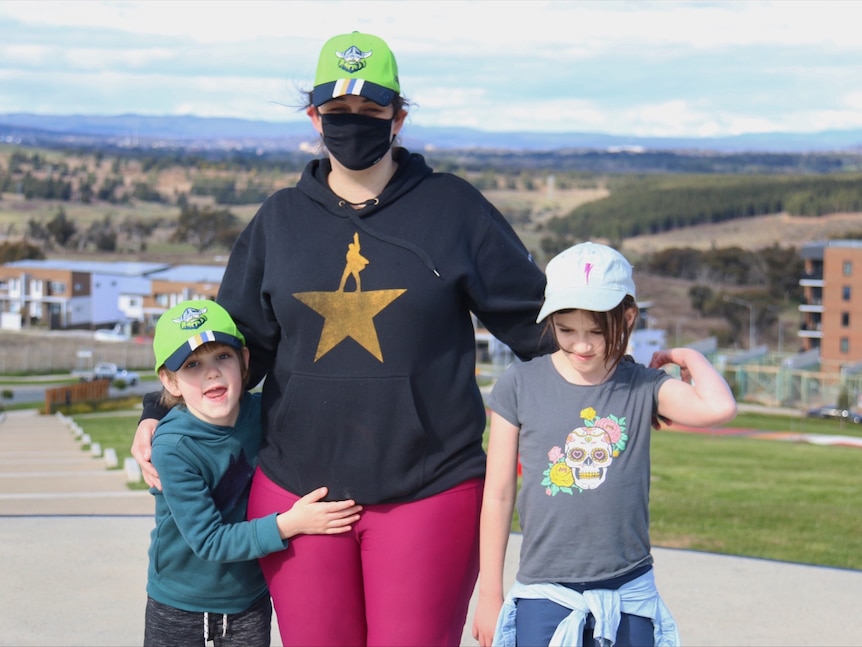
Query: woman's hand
pixel 142 451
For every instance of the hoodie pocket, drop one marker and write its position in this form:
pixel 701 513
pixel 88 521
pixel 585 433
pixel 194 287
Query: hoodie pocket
pixel 361 438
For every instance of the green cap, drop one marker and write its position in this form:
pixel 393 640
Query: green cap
pixel 359 64
pixel 188 325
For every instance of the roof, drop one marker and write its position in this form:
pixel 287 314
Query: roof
pixel 815 250
pixel 190 274
pixel 91 267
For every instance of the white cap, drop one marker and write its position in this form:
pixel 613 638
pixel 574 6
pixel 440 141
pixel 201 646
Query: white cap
pixel 587 276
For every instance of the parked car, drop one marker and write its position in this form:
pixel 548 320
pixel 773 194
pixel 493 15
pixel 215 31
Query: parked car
pixel 114 373
pixel 834 412
pixel 105 371
pixel 129 378
pixel 110 335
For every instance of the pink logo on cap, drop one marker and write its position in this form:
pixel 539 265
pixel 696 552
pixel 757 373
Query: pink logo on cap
pixel 588 267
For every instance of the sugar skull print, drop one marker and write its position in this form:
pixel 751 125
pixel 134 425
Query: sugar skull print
pixel 588 454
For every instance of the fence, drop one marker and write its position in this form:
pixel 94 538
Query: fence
pixel 72 393
pixel 775 379
pixel 45 353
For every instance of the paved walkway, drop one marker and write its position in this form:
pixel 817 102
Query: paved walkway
pixel 45 471
pixel 73 549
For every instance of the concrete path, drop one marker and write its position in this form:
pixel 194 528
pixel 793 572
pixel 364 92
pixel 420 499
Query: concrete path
pixel 73 550
pixel 45 471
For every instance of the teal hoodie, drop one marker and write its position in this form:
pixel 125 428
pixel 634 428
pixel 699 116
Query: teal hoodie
pixel 203 552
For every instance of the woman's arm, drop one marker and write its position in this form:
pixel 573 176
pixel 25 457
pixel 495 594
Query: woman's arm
pixel 143 441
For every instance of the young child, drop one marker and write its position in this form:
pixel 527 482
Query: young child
pixel 203 581
pixel 580 419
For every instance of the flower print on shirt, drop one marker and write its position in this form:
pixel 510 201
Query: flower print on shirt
pixel 588 454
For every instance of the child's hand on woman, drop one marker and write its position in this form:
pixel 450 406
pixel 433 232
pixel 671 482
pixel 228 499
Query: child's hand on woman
pixel 311 516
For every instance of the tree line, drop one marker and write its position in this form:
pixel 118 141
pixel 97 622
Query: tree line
pixel 639 205
pixel 204 228
pixel 768 277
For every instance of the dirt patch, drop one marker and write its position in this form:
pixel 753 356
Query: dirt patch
pixel 752 233
pixel 671 309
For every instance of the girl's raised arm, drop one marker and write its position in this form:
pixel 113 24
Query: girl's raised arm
pixel 701 397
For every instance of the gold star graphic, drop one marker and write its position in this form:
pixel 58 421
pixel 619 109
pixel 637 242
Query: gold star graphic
pixel 349 314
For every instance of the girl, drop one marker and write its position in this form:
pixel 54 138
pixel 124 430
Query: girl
pixel 580 421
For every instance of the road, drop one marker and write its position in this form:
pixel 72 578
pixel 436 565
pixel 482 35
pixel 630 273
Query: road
pixel 35 392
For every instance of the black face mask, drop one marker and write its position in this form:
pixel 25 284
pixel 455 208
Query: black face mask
pixel 358 142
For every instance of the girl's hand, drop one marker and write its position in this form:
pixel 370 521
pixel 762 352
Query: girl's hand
pixel 485 620
pixel 701 397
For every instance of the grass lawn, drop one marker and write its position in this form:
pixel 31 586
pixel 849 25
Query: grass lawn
pixel 781 500
pixel 762 498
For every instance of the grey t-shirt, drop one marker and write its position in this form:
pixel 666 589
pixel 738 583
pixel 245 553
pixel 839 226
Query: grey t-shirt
pixel 585 457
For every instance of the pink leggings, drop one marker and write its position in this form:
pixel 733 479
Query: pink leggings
pixel 403 576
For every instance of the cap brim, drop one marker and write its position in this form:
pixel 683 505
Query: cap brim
pixel 357 87
pixel 176 359
pixel 593 299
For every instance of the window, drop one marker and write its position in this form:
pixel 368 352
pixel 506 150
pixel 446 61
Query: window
pixel 847 268
pixel 845 319
pixel 845 293
pixel 845 345
pixel 57 287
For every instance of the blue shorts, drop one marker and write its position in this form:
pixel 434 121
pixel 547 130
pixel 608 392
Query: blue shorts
pixel 537 619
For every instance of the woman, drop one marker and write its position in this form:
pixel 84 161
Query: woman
pixel 355 291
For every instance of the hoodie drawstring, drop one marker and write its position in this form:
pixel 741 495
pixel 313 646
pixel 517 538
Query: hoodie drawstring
pixel 207 626
pixel 398 242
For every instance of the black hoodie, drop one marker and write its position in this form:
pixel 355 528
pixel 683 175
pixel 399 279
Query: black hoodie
pixel 360 321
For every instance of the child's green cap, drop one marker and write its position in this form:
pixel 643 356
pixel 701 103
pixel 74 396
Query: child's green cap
pixel 359 64
pixel 188 325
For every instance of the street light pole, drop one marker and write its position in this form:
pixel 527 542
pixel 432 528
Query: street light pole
pixel 750 306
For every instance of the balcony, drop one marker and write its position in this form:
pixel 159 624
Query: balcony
pixel 811 307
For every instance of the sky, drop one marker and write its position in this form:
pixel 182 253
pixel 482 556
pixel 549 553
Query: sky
pixel 648 68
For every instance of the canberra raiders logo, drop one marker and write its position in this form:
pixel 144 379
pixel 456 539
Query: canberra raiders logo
pixel 352 59
pixel 191 319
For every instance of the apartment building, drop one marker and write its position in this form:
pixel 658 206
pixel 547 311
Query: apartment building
pixel 172 285
pixel 64 294
pixel 831 311
pixel 70 294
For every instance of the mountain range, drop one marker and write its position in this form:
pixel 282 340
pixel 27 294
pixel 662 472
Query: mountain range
pixel 130 130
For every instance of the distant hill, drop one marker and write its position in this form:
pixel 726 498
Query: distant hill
pixel 222 133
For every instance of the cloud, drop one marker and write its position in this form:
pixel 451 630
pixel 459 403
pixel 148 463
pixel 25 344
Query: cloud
pixel 640 68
